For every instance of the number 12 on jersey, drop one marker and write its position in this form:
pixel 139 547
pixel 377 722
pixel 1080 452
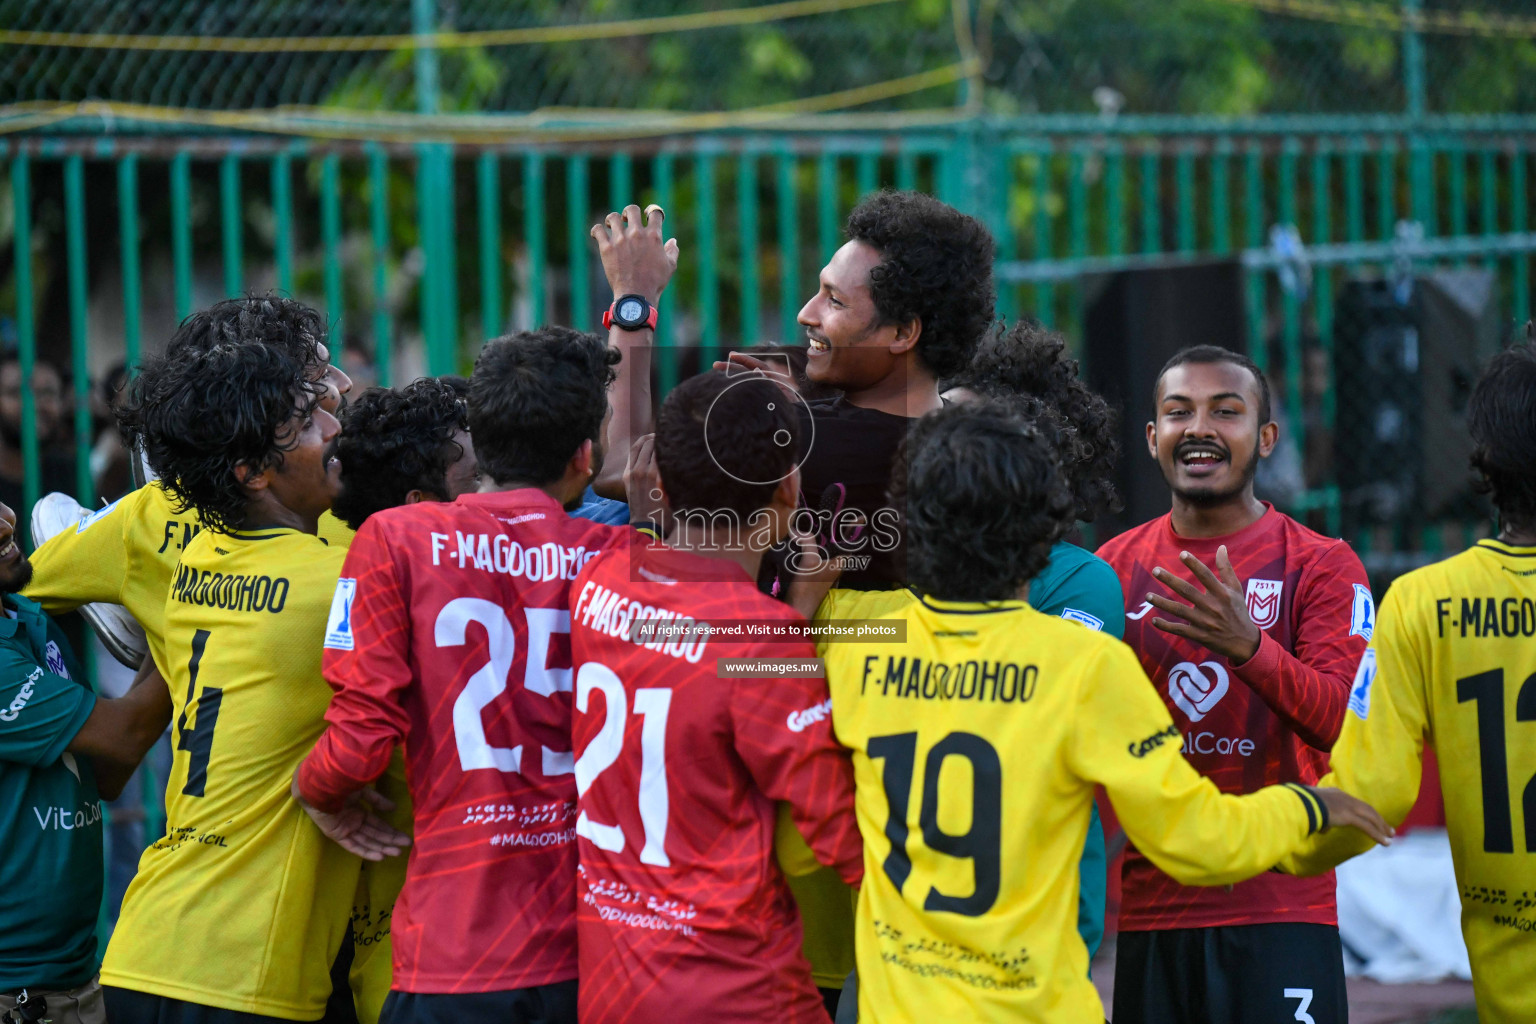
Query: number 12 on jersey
pixel 652 704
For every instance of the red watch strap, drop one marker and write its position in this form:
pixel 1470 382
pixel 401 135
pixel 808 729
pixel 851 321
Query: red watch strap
pixel 650 321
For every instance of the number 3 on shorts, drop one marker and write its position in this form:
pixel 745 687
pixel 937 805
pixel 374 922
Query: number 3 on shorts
pixel 1305 995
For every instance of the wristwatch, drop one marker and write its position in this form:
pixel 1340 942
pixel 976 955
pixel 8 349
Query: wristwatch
pixel 630 313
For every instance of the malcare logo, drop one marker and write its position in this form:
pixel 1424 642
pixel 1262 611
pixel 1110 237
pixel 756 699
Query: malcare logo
pixel 1194 692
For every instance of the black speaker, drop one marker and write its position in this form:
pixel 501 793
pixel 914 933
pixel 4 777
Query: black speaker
pixel 1406 356
pixel 1136 320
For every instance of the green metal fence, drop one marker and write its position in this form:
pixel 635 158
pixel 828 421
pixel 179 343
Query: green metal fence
pixel 419 252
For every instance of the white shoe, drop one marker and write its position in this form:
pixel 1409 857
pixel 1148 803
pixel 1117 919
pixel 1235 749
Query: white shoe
pixel 120 632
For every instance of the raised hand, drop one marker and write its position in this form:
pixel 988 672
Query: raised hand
pixel 739 364
pixel 642 484
pixel 634 257
pixel 1344 809
pixel 357 827
pixel 1216 617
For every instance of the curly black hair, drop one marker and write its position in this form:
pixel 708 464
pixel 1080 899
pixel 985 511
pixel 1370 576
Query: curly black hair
pixel 291 327
pixel 394 441
pixel 203 413
pixel 1501 417
pixel 1027 359
pixel 984 498
pixel 935 265
pixel 724 443
pixel 534 397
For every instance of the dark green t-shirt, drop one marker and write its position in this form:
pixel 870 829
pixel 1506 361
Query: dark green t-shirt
pixel 50 814
pixel 1081 586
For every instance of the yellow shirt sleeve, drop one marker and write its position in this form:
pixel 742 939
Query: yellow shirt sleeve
pixel 1125 740
pixel 85 563
pixel 1380 753
pixel 789 846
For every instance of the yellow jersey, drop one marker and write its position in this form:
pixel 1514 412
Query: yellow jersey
pixel 125 553
pixel 976 744
pixel 1452 664
pixel 244 903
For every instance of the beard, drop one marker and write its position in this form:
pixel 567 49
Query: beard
pixel 15 579
pixel 1213 498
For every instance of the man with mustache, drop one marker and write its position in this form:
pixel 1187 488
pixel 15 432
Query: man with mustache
pixel 1253 648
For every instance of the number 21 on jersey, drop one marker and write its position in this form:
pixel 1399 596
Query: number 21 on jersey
pixel 652 705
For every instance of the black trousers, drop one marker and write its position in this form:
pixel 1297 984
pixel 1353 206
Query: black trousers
pixel 126 1006
pixel 1243 974
pixel 543 1004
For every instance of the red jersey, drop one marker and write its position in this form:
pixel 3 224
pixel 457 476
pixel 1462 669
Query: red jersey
pixel 1270 719
pixel 683 912
pixel 449 633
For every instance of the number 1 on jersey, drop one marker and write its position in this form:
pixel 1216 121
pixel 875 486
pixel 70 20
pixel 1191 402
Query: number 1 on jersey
pixel 653 705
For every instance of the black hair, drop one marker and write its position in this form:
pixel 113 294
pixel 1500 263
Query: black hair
pixel 984 499
pixel 1207 354
pixel 724 443
pixel 200 414
pixel 394 441
pixel 535 396
pixel 286 325
pixel 935 265
pixel 1027 359
pixel 1501 417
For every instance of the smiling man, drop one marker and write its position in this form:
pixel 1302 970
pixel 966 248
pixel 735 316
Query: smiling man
pixel 1252 643
pixel 902 304
pixel 238 912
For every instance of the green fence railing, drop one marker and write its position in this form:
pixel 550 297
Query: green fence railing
pixel 418 252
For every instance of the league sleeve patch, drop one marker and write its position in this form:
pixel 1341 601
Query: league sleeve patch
pixel 1362 616
pixel 55 660
pixel 338 628
pixel 99 513
pixel 1091 621
pixel 1360 689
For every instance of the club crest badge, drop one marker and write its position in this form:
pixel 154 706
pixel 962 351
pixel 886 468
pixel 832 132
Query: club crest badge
pixel 1264 601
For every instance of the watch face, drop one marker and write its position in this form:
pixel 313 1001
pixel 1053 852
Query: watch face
pixel 631 311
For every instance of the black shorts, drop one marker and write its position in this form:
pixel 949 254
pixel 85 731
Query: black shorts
pixel 126 1006
pixel 542 1004
pixel 1243 974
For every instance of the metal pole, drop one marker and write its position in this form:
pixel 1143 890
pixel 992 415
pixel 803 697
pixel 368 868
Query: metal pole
pixel 1413 58
pixel 428 88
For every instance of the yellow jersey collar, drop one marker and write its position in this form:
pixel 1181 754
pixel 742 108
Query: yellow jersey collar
pixel 1499 547
pixel 967 607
